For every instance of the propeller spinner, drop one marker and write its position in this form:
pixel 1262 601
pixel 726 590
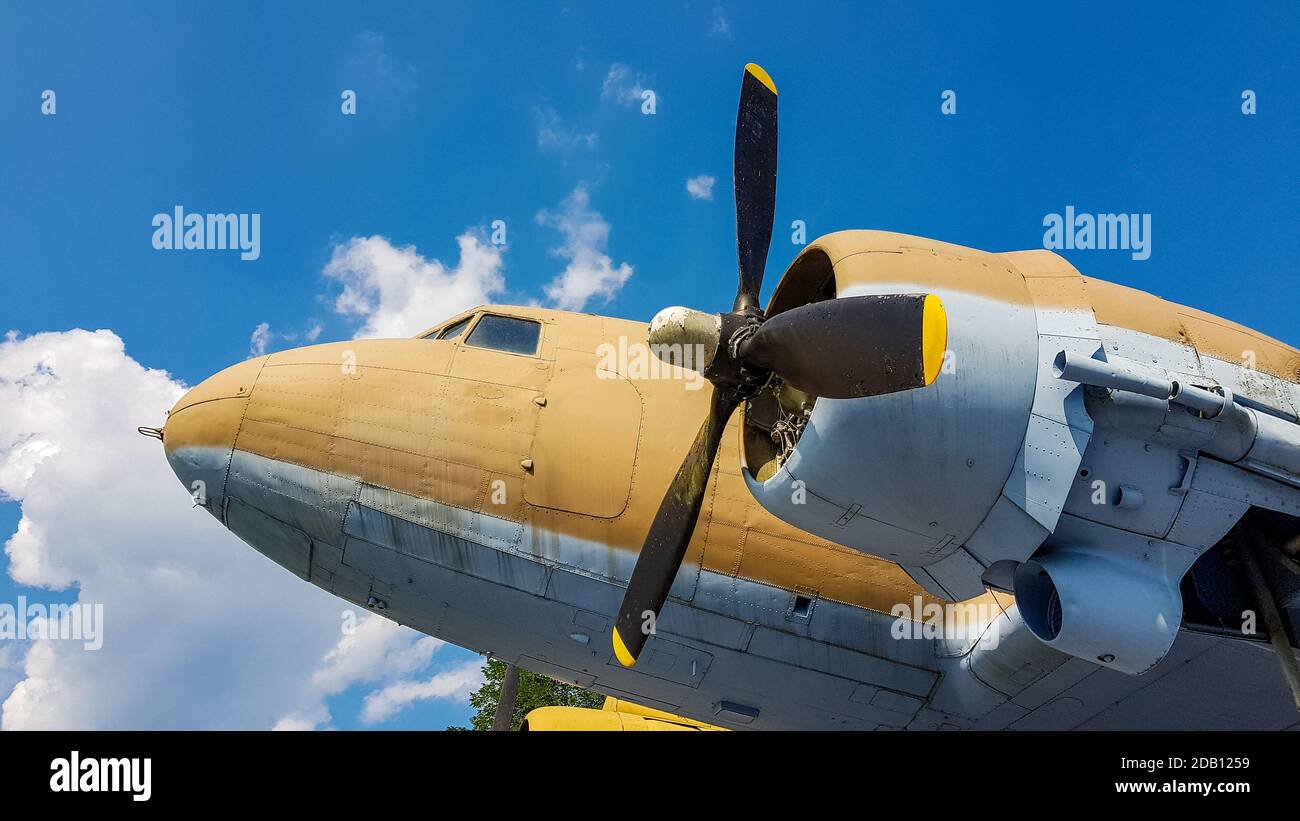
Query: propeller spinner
pixel 844 348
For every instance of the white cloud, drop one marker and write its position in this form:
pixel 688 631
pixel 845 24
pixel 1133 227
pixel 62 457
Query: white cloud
pixel 395 292
pixel 11 664
pixel 719 26
pixel 701 187
pixel 262 337
pixel 199 630
pixel 453 683
pixel 554 133
pixel 622 85
pixel 371 62
pixel 304 720
pixel 590 273
pixel 376 650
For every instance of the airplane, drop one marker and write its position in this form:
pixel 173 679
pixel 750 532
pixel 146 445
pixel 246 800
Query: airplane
pixel 927 487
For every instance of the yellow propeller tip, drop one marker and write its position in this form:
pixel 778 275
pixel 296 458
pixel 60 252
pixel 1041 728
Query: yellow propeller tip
pixel 761 75
pixel 934 336
pixel 620 651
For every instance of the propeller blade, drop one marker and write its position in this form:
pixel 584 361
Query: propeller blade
pixel 670 533
pixel 853 346
pixel 755 181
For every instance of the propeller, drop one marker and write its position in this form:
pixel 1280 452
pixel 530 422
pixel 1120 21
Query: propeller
pixel 844 348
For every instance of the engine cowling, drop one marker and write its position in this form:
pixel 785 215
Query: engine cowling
pixel 912 477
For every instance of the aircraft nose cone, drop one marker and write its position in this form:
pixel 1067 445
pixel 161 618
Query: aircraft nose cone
pixel 199 436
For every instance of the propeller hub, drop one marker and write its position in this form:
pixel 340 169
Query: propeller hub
pixel 685 337
pixel 710 345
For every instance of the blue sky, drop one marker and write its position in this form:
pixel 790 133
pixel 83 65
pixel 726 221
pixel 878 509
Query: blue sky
pixel 473 112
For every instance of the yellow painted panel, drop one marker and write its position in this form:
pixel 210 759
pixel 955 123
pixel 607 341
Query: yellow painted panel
pixel 586 445
pixel 499 368
pixel 766 555
pixel 1126 307
pixel 1239 345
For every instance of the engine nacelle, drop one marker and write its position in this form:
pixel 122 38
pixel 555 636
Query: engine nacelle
pixel 1108 607
pixel 945 479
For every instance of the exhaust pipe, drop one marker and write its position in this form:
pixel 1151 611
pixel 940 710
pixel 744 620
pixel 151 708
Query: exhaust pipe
pixel 1110 609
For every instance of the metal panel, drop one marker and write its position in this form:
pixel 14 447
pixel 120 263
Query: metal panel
pixel 841 662
pixel 579 466
pixel 452 551
pixel 1118 461
pixel 1041 480
pixel 311 500
pixel 282 543
pixel 471 525
pixel 957 575
pixel 555 671
pixel 1231 482
pixel 672 661
pixel 1007 526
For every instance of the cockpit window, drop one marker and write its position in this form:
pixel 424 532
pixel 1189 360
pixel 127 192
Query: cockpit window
pixel 506 333
pixel 454 330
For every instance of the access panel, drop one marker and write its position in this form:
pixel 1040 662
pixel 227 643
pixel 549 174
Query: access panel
pixel 586 444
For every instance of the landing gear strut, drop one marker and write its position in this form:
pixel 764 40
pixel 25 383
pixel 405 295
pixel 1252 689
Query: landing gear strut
pixel 1252 547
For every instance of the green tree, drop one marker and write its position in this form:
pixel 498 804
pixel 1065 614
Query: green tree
pixel 534 691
